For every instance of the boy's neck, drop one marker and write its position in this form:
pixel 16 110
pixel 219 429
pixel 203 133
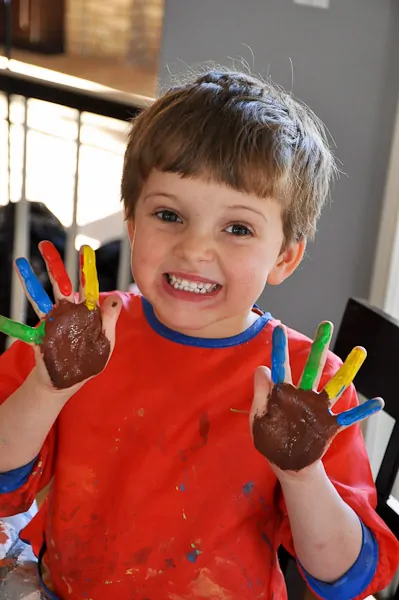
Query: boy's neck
pixel 223 329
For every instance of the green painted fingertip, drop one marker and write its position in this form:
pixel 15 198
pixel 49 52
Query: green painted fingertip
pixel 321 341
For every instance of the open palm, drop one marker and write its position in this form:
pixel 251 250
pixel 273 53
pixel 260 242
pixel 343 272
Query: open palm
pixel 294 426
pixel 74 339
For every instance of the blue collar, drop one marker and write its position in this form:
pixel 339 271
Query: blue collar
pixel 187 340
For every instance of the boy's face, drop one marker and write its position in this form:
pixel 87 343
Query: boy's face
pixel 202 253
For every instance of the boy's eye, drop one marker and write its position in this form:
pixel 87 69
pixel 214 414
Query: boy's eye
pixel 168 215
pixel 239 230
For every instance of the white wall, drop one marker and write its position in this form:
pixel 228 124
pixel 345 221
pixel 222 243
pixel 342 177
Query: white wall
pixel 345 68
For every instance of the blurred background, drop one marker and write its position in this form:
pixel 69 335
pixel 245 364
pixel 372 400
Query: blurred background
pixel 114 42
pixel 73 72
pixel 339 56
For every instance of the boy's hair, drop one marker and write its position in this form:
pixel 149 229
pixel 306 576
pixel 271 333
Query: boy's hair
pixel 234 129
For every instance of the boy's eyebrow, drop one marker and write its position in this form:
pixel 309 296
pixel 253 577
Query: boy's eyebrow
pixel 243 207
pixel 159 193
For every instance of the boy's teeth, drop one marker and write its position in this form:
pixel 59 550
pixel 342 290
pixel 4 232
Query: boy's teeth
pixel 191 286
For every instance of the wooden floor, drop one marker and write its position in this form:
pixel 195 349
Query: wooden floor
pixel 106 71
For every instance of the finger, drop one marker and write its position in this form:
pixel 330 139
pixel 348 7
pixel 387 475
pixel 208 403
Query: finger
pixel 317 357
pixel 346 374
pixel 110 311
pixel 89 288
pixel 359 413
pixel 281 371
pixel 30 335
pixel 34 290
pixel 262 389
pixel 57 273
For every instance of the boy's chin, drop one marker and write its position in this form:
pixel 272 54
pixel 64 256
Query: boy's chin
pixel 193 328
pixel 206 328
pixel 186 324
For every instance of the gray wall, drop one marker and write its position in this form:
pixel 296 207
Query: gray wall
pixel 346 69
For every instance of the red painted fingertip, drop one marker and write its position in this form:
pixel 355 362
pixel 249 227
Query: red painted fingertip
pixel 56 267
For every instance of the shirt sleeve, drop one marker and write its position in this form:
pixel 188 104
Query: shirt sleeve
pixel 14 479
pixel 356 580
pixel 18 488
pixel 348 468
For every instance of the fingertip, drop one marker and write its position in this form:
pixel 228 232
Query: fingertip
pixel 262 388
pixel 360 412
pixel 43 243
pixel 262 372
pixel 361 350
pixel 112 305
pixel 325 329
pixel 258 378
pixel 327 322
pixel 279 354
pixel 115 302
pixel 21 264
pixel 376 403
pixel 279 331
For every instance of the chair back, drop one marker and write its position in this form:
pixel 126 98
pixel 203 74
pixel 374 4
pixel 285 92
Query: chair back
pixel 365 325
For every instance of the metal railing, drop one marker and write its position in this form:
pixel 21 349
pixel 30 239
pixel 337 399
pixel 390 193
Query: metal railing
pixel 84 98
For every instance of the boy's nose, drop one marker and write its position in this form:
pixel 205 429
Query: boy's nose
pixel 195 246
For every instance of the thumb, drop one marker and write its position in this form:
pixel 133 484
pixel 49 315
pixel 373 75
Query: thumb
pixel 262 388
pixel 110 310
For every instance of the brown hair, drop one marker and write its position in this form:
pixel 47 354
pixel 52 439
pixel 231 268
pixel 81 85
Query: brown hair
pixel 234 129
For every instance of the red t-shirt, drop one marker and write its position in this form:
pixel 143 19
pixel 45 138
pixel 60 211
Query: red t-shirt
pixel 157 490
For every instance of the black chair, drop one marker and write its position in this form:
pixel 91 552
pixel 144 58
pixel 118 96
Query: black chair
pixel 365 325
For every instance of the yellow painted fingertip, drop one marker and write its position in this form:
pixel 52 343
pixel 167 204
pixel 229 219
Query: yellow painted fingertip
pixel 346 374
pixel 90 279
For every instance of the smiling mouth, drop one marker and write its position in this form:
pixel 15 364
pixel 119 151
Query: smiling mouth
pixel 196 287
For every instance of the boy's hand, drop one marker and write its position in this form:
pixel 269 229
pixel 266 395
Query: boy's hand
pixel 73 341
pixel 293 427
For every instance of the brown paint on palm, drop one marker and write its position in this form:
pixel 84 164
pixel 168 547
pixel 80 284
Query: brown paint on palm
pixel 297 428
pixel 75 346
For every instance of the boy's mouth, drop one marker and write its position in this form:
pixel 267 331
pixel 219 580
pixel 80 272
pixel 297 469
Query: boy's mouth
pixel 187 285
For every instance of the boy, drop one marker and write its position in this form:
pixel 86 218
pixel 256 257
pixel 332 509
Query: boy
pixel 156 489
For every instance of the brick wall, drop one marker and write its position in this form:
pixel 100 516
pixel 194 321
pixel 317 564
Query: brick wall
pixel 125 29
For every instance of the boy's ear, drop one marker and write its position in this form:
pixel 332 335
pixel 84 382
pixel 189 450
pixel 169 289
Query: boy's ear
pixel 287 262
pixel 130 229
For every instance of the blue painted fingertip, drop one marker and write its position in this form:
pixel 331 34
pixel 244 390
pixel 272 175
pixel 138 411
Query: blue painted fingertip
pixel 33 286
pixel 349 417
pixel 279 343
